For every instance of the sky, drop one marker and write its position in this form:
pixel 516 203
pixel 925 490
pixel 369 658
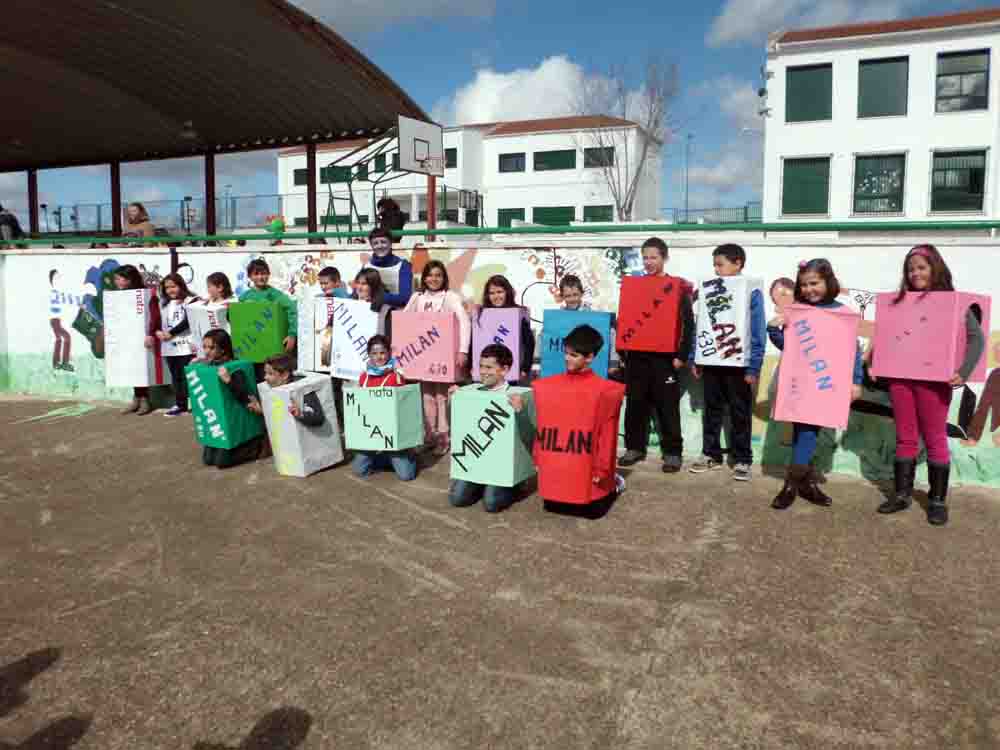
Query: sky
pixel 485 60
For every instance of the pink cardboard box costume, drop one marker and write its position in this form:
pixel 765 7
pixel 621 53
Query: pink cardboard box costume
pixel 498 326
pixel 426 345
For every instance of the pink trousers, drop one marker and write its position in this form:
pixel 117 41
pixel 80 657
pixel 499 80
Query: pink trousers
pixel 920 409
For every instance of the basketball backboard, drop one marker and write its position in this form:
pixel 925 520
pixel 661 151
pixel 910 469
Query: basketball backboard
pixel 421 147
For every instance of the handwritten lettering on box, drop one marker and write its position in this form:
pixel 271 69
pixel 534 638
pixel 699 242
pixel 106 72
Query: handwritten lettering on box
pixel 383 419
pixel 426 345
pixel 204 318
pixel 354 323
pixel 649 314
pixel 923 336
pixel 817 366
pixel 491 442
pixel 498 326
pixel 220 421
pixel 127 361
pixel 723 321
pixel 556 325
pixel 258 330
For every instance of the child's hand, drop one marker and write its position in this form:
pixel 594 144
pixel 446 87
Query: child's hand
pixel 163 336
pixel 452 389
pixel 463 360
pixel 957 380
pixel 294 410
pixel 778 321
pixel 224 375
pixel 855 392
pixel 679 364
pixel 289 343
pixel 696 371
pixel 516 401
pixel 750 379
pixel 254 405
pixel 596 479
pixel 149 342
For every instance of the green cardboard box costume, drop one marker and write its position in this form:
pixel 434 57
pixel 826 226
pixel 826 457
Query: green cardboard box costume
pixel 490 442
pixel 220 421
pixel 383 419
pixel 258 329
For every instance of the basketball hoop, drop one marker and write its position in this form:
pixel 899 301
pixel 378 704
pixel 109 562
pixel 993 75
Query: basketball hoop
pixel 432 164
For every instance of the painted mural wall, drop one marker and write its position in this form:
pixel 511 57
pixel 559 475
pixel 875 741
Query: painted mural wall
pixel 51 321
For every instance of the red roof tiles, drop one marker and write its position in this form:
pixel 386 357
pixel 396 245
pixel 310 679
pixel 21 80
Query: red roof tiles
pixel 892 27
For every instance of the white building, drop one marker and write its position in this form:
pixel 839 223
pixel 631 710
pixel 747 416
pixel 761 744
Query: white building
pixel 893 120
pixel 548 171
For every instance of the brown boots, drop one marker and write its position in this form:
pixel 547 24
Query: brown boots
pixel 138 405
pixel 802 481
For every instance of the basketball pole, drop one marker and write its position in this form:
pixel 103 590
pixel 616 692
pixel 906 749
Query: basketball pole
pixel 431 205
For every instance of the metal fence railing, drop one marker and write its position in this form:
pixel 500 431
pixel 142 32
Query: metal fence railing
pixel 749 213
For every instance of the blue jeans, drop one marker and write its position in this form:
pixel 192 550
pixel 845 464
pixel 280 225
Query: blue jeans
pixel 366 463
pixel 495 499
pixel 804 442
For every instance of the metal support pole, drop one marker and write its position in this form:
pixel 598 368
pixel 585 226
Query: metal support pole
pixel 431 205
pixel 313 221
pixel 116 198
pixel 33 201
pixel 209 194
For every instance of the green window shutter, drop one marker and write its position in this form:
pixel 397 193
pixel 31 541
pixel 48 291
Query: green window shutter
pixel 471 218
pixel 362 218
pixel 301 221
pixel 506 215
pixel 379 163
pixel 805 186
pixel 511 163
pixel 882 87
pixel 362 173
pixel 422 215
pixel 450 158
pixel 963 81
pixel 603 214
pixel 395 162
pixel 879 183
pixel 958 181
pixel 301 176
pixel 334 174
pixel 546 161
pixel 809 93
pixel 599 157
pixel 553 215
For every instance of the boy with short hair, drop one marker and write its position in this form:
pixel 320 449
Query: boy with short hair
pixel 571 293
pixel 732 386
pixel 652 379
pixel 280 370
pixel 495 362
pixel 259 274
pixel 330 283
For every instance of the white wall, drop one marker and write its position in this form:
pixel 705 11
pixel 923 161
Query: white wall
pixel 918 134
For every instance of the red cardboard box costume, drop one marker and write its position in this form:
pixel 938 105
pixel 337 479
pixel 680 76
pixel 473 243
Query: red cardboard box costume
pixel 576 436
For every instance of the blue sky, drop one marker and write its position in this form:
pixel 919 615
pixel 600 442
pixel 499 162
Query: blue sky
pixel 480 60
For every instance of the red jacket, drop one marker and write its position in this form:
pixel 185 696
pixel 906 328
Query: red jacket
pixel 390 380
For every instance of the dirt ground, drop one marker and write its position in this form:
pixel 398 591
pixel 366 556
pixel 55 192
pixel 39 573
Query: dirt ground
pixel 150 602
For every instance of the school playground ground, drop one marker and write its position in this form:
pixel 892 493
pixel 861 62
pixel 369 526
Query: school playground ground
pixel 149 602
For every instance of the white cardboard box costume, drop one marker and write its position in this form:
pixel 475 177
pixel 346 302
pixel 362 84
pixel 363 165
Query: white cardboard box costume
pixel 204 317
pixel 173 314
pixel 299 450
pixel 127 361
pixel 315 333
pixel 722 327
pixel 354 322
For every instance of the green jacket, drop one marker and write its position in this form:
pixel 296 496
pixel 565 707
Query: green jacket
pixel 275 295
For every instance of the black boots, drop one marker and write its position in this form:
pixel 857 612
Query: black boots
pixel 903 495
pixel 937 510
pixel 809 489
pixel 794 475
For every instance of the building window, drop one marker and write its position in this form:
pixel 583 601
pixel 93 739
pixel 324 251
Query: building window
pixel 547 161
pixel 882 87
pixel 334 174
pixel 379 163
pixel 301 176
pixel 301 221
pixel 450 158
pixel 395 162
pixel 879 182
pixel 809 93
pixel 337 220
pixel 599 157
pixel 511 163
pixel 471 218
pixel 506 216
pixel 362 171
pixel 805 186
pixel 603 214
pixel 553 215
pixel 958 181
pixel 963 80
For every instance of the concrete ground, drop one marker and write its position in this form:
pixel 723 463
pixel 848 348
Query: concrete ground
pixel 150 602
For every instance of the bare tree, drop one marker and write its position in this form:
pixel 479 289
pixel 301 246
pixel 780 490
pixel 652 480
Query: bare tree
pixel 646 99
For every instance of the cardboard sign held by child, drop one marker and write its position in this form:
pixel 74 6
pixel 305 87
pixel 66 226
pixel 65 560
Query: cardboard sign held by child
pixel 498 325
pixel 354 322
pixel 817 366
pixel 722 326
pixel 204 318
pixel 556 324
pixel 300 450
pixel 315 335
pixel 649 314
pixel 127 361
pixel 490 441
pixel 922 337
pixel 220 421
pixel 426 345
pixel 259 330
pixel 383 419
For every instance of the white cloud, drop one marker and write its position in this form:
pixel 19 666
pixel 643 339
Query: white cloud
pixel 736 165
pixel 350 17
pixel 753 20
pixel 546 91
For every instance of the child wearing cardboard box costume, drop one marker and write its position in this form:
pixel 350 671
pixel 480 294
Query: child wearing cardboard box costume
pixel 175 339
pixel 731 386
pixel 499 294
pixel 815 285
pixel 437 298
pixel 495 362
pixel 577 416
pixel 260 275
pixel 128 277
pixel 920 407
pixel 383 372
pixel 210 314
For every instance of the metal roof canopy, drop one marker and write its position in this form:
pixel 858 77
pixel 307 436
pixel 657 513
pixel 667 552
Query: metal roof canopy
pixel 95 81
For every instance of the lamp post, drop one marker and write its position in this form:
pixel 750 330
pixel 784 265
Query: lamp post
pixel 687 171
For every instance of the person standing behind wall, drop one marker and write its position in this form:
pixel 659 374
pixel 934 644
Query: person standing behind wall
pixel 395 272
pixel 137 222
